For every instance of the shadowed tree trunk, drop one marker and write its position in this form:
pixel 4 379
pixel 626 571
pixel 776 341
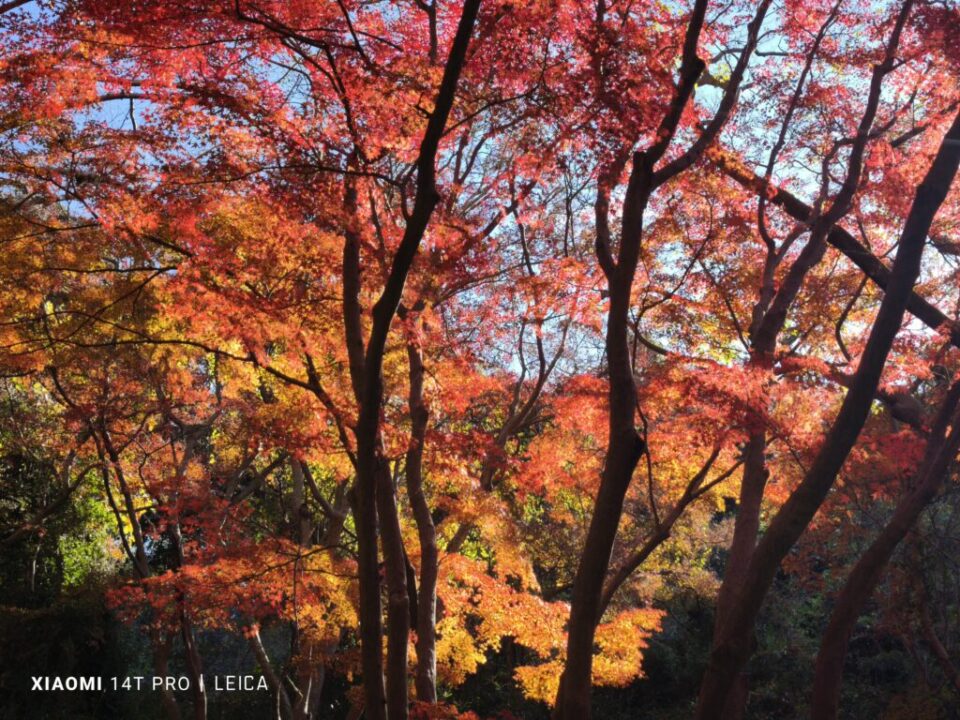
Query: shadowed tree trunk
pixel 273 679
pixel 162 644
pixel 769 317
pixel 863 579
pixel 731 648
pixel 745 531
pixel 426 646
pixel 625 446
pixel 374 485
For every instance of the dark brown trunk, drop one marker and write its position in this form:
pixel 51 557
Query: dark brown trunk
pixel 625 446
pixel 162 645
pixel 732 649
pixel 371 628
pixel 273 679
pixel 426 646
pixel 747 525
pixel 191 653
pixel 398 600
pixel 768 323
pixel 863 579
pixel 624 449
pixel 364 495
pixel 374 486
pixel 302 529
pixel 745 532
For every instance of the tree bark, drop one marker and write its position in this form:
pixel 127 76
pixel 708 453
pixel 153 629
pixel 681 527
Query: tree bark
pixel 162 645
pixel 301 527
pixel 863 579
pixel 426 646
pixel 273 679
pixel 398 598
pixel 374 485
pixel 194 665
pixel 745 531
pixel 731 649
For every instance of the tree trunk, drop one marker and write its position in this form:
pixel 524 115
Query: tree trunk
pixel 398 600
pixel 302 529
pixel 371 628
pixel 625 448
pixel 731 649
pixel 273 680
pixel 162 645
pixel 426 646
pixel 863 579
pixel 374 485
pixel 745 531
pixel 194 666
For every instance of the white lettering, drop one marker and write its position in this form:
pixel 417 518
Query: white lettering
pixel 233 683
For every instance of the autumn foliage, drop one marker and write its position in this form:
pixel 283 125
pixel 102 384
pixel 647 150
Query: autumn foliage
pixel 426 334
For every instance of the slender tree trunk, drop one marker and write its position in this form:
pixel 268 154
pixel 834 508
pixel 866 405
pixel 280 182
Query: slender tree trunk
pixel 747 525
pixel 364 494
pixel 625 448
pixel 191 652
pixel 745 532
pixel 426 646
pixel 769 317
pixel 162 645
pixel 863 579
pixel 302 529
pixel 194 665
pixel 273 679
pixel 398 599
pixel 695 489
pixel 374 485
pixel 731 649
pixel 371 628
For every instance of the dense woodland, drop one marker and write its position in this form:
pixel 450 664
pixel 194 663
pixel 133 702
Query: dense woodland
pixel 481 359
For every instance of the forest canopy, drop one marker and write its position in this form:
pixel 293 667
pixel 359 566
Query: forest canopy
pixel 481 358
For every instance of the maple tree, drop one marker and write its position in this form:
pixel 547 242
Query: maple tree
pixel 385 338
